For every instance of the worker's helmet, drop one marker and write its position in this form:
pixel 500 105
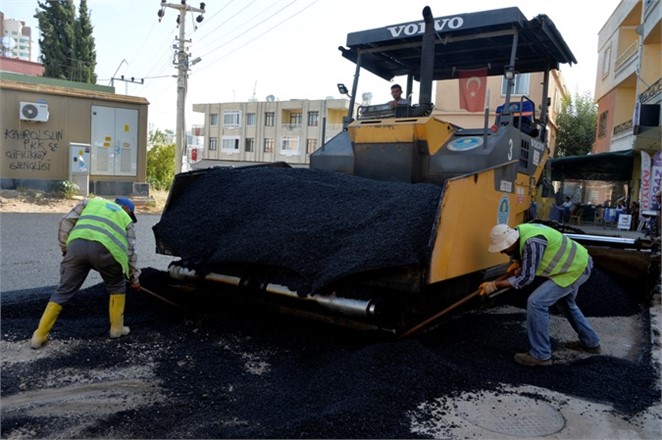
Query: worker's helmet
pixel 502 237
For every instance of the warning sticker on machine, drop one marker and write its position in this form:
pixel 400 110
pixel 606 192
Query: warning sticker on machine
pixel 503 212
pixel 506 186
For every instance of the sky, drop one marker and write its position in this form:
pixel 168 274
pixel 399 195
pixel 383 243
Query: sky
pixel 285 48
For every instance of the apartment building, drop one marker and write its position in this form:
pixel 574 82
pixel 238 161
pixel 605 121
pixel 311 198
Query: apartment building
pixel 269 131
pixel 629 90
pixel 16 39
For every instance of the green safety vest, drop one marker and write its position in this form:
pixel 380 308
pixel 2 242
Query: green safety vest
pixel 564 260
pixel 105 222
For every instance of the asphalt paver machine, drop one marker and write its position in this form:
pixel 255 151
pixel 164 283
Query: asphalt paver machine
pixel 390 223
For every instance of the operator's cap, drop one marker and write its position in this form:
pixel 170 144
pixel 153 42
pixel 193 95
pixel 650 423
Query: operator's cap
pixel 122 201
pixel 502 237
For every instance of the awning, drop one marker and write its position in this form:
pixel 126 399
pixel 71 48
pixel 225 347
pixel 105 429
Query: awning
pixel 612 166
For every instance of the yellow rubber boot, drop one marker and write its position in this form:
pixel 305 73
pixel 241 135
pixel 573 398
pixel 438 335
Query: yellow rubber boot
pixel 40 336
pixel 116 312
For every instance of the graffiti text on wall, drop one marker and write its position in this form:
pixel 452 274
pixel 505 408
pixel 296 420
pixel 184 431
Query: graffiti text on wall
pixel 30 148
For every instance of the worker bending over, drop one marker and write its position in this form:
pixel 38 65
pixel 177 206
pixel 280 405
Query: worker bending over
pixel 96 234
pixel 538 250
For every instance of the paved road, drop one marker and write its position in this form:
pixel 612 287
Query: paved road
pixel 31 254
pixel 243 374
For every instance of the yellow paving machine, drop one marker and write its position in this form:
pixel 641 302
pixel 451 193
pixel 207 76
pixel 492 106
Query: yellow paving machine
pixel 390 223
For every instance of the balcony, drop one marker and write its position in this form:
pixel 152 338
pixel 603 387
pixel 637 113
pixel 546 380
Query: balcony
pixel 651 92
pixel 291 127
pixel 622 129
pixel 628 55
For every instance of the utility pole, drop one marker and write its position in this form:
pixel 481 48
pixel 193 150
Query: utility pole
pixel 182 63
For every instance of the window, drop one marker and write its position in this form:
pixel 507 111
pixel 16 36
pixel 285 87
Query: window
pixel 311 145
pixel 212 143
pixel 250 118
pixel 289 146
pixel 602 124
pixel 269 119
pixel 313 119
pixel 557 102
pixel 521 84
pixel 268 145
pixel 231 118
pixel 606 60
pixel 295 119
pixel 230 144
pixel 250 145
pixel 213 119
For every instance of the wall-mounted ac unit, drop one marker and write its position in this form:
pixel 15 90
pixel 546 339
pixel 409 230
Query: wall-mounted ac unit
pixel 33 111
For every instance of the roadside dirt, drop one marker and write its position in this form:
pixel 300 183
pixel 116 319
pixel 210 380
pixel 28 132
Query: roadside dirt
pixel 39 202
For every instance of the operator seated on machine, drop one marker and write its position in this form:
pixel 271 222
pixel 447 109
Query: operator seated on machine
pixel 399 104
pixel 398 107
pixel 396 93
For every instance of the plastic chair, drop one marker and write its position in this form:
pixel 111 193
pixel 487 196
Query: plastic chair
pixel 576 218
pixel 598 216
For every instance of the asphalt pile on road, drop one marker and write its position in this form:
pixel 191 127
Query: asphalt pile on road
pixel 316 225
pixel 228 372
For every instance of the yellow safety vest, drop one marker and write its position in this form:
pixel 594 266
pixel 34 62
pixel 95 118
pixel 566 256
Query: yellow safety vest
pixel 564 260
pixel 105 222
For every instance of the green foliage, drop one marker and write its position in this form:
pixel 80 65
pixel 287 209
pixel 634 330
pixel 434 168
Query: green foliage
pixel 161 166
pixel 577 124
pixel 66 43
pixel 66 189
pixel 85 56
pixel 158 137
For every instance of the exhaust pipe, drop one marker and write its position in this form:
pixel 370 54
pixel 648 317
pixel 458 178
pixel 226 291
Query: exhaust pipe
pixel 427 59
pixel 345 306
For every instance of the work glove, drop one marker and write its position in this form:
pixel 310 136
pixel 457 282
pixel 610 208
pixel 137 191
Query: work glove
pixel 514 268
pixel 135 285
pixel 487 288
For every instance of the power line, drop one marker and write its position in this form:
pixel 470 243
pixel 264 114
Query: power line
pixel 208 64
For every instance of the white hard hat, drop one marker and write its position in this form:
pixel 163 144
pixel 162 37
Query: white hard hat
pixel 502 237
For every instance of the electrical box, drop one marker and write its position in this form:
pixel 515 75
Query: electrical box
pixel 79 166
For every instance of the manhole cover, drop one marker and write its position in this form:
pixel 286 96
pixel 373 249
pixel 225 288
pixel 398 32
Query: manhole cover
pixel 511 414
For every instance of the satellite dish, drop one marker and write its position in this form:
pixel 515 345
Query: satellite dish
pixel 271 98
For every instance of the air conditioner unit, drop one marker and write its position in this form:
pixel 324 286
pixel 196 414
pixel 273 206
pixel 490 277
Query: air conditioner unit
pixel 33 111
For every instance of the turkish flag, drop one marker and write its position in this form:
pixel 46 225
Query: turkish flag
pixel 472 89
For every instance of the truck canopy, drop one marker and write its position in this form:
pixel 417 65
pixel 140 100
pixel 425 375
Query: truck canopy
pixel 462 42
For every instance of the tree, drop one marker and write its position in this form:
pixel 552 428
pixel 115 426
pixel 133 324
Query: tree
pixel 56 21
pixel 577 124
pixel 85 53
pixel 66 43
pixel 160 161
